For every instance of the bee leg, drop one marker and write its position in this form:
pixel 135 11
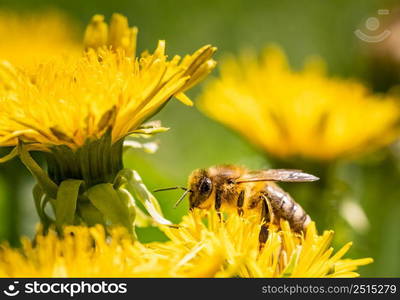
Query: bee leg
pixel 263 236
pixel 240 203
pixel 218 203
pixel 269 210
pixel 266 216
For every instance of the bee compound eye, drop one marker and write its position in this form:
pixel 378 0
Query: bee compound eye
pixel 205 185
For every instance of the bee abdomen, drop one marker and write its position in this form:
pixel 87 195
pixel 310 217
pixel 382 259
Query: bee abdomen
pixel 284 206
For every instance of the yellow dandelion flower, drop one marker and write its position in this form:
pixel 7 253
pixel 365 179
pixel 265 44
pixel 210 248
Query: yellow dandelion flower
pixel 196 249
pixel 70 101
pixel 79 110
pixel 285 253
pixel 303 113
pixel 90 252
pixel 29 39
pixel 117 35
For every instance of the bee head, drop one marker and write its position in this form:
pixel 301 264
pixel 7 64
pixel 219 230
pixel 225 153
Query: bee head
pixel 201 186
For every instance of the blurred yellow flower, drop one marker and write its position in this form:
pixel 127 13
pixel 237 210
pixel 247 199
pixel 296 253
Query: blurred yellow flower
pixel 117 35
pixel 218 249
pixel 28 39
pixel 299 113
pixel 69 100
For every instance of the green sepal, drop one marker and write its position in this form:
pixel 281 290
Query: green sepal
pixel 150 147
pixel 48 186
pixel 46 199
pixel 128 200
pixel 141 219
pixel 137 188
pixel 37 197
pixel 97 161
pixel 148 131
pixel 89 214
pixel 65 205
pixel 13 153
pixel 50 200
pixel 107 201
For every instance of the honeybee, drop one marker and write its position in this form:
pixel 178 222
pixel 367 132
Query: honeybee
pixel 229 188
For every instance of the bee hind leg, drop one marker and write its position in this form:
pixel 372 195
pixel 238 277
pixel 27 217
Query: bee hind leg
pixel 240 203
pixel 263 235
pixel 267 216
pixel 268 213
pixel 217 204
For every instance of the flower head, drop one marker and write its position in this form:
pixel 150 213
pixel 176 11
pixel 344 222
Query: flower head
pixel 285 253
pixel 299 113
pixel 91 252
pixel 196 249
pixel 79 109
pixel 117 35
pixel 70 101
pixel 29 39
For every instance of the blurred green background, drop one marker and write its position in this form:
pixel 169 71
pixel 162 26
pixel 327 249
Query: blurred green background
pixel 302 28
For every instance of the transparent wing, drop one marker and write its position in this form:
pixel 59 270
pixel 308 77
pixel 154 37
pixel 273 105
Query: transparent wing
pixel 283 175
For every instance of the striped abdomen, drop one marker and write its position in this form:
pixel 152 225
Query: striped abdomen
pixel 285 207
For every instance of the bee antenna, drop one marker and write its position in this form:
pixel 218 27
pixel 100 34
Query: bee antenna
pixel 170 188
pixel 182 197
